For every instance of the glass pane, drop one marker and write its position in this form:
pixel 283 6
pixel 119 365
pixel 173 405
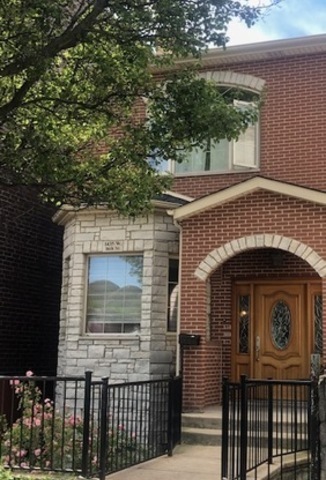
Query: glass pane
pixel 214 158
pixel 173 292
pixel 245 148
pixel 220 154
pixel 193 162
pixel 114 293
pixel 318 314
pixel 243 318
pixel 281 325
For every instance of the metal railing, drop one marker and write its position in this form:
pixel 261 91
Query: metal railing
pixel 75 424
pixel 270 425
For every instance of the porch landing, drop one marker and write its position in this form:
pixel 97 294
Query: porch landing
pixel 189 462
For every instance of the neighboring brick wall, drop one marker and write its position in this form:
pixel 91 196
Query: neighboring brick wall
pixel 123 357
pixel 30 279
pixel 292 124
pixel 257 213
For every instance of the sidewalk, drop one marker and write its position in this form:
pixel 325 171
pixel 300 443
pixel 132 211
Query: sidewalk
pixel 189 462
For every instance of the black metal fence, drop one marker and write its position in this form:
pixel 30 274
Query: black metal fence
pixel 75 424
pixel 270 425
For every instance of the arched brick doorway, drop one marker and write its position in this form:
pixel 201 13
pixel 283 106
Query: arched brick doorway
pixel 245 291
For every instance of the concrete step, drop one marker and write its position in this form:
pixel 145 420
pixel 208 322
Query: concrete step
pixel 193 420
pixel 201 436
pixel 205 428
pixel 213 436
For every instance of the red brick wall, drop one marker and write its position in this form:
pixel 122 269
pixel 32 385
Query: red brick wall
pixel 30 279
pixel 257 213
pixel 293 125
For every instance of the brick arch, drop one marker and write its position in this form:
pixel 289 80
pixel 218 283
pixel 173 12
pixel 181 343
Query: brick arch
pixel 248 82
pixel 220 255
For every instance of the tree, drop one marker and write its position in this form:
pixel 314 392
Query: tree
pixel 75 76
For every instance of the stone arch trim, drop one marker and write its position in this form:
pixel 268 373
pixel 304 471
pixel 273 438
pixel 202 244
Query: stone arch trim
pixel 248 82
pixel 220 255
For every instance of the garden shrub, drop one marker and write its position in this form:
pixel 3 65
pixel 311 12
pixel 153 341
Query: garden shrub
pixel 45 438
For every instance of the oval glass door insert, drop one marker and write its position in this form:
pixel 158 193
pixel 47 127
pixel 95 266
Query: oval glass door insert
pixel 281 325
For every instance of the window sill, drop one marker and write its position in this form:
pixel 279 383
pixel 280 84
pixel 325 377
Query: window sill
pixel 224 172
pixel 110 336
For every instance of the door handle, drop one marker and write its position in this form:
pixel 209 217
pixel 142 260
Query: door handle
pixel 257 348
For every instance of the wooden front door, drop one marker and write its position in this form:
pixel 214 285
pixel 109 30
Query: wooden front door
pixel 273 329
pixel 281 336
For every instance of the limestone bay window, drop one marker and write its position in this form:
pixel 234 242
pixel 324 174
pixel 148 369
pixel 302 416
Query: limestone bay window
pixel 114 294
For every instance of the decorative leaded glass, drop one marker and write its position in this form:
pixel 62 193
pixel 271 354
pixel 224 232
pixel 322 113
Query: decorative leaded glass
pixel 243 305
pixel 281 325
pixel 318 312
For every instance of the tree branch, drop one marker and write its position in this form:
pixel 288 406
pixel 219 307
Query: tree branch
pixel 68 39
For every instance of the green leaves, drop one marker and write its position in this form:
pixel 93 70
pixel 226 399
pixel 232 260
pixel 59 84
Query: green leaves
pixel 72 76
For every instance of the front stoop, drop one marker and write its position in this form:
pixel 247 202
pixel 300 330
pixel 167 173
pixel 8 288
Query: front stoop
pixel 202 428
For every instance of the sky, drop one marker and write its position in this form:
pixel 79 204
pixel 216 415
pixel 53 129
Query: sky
pixel 289 19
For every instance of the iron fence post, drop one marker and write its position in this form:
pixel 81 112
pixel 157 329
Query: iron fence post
pixel 270 423
pixel 170 416
pixel 314 431
pixel 86 423
pixel 243 427
pixel 103 433
pixel 225 426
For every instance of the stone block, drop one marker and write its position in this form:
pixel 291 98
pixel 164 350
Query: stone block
pixel 161 357
pixel 119 368
pixel 96 351
pixel 121 353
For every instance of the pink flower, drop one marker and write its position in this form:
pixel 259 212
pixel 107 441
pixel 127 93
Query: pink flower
pixel 14 382
pixel 47 401
pixel 22 453
pixel 37 422
pixel 24 465
pixel 37 408
pixel 37 452
pixel 29 373
pixel 121 427
pixel 74 420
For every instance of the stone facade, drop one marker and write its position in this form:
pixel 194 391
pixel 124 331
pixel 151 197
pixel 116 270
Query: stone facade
pixel 121 357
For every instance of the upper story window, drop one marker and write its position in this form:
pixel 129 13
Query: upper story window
pixel 223 156
pixel 241 154
pixel 219 157
pixel 114 294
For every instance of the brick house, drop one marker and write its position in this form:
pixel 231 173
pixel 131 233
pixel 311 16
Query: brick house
pixel 236 253
pixel 30 282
